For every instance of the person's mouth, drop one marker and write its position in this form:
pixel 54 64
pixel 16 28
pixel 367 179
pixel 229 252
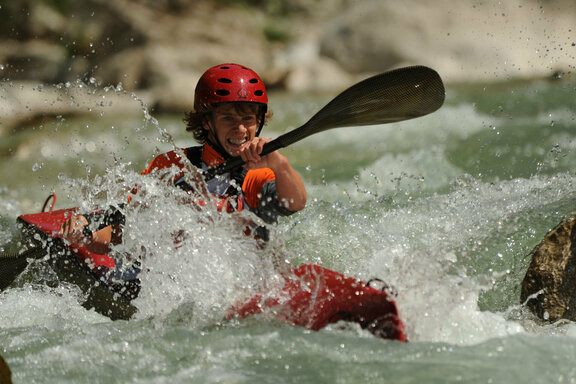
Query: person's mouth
pixel 237 142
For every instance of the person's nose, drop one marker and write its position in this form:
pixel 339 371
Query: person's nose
pixel 241 126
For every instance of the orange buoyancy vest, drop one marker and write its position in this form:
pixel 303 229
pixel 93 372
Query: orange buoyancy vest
pixel 258 188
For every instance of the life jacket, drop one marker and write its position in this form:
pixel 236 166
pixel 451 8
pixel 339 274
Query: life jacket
pixel 232 192
pixel 227 194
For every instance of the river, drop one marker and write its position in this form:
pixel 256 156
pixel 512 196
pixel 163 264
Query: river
pixel 445 208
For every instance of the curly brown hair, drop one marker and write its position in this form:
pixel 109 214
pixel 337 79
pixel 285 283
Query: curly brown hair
pixel 195 120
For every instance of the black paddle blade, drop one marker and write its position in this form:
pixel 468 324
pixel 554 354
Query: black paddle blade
pixel 397 95
pixel 11 266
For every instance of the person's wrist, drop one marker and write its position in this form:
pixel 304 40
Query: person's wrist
pixel 278 162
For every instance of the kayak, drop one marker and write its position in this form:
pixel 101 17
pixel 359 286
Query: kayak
pixel 314 297
pixel 73 263
pixel 309 296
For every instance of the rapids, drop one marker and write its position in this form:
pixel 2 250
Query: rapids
pixel 445 208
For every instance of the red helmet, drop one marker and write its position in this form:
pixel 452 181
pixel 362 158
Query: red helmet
pixel 229 83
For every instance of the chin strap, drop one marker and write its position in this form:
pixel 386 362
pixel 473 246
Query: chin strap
pixel 220 149
pixel 214 142
pixel 262 119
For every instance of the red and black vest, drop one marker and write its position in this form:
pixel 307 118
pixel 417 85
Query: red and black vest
pixel 239 189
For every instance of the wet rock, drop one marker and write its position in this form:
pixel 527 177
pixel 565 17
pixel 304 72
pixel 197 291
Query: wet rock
pixel 464 41
pixel 5 373
pixel 321 75
pixel 300 67
pixel 32 59
pixel 549 287
pixel 179 47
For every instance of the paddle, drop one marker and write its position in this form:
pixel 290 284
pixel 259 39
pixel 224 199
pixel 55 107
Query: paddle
pixel 12 265
pixel 393 96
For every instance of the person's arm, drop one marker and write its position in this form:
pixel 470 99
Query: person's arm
pixel 289 185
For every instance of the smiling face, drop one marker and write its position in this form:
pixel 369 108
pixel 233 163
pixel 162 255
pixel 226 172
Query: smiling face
pixel 233 126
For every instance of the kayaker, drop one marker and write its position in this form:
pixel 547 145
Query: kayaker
pixel 230 110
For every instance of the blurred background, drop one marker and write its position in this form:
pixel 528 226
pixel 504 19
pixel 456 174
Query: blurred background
pixel 159 48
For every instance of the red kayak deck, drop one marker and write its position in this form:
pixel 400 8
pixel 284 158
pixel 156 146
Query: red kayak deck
pixel 311 296
pixel 49 223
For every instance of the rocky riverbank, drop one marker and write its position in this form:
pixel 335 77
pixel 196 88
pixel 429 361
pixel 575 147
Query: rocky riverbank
pixel 106 53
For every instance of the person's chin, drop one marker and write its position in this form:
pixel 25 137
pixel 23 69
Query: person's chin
pixel 234 152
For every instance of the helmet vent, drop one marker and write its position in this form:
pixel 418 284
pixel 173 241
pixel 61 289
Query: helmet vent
pixel 253 81
pixel 258 93
pixel 224 80
pixel 222 92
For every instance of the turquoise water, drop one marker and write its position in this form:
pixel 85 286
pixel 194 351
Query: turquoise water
pixel 446 208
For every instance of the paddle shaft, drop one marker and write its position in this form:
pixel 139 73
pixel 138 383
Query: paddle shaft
pixel 236 162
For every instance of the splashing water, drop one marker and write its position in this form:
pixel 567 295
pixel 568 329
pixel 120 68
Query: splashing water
pixel 443 208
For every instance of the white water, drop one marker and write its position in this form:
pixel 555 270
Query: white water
pixel 386 202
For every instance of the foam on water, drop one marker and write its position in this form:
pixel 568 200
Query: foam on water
pixel 454 244
pixel 48 308
pixel 440 251
pixel 195 258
